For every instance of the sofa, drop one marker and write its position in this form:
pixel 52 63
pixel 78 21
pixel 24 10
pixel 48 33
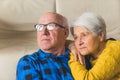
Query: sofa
pixel 18 17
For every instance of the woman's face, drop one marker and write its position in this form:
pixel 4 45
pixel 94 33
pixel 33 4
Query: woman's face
pixel 86 41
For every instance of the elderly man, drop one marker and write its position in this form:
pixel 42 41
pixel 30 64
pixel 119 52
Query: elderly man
pixel 50 62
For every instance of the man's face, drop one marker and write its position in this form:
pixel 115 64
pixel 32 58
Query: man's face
pixel 50 40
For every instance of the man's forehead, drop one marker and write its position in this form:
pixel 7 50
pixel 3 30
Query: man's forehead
pixel 49 15
pixel 48 18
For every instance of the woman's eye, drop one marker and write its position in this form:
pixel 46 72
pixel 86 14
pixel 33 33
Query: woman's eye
pixel 75 37
pixel 84 35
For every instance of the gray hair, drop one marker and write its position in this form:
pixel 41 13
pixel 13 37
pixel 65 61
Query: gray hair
pixel 92 22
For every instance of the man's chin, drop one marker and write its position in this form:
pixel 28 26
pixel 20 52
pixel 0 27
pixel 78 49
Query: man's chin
pixel 44 46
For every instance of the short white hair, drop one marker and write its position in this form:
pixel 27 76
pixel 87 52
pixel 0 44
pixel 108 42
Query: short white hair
pixel 93 22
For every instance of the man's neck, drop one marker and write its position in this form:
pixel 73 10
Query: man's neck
pixel 57 52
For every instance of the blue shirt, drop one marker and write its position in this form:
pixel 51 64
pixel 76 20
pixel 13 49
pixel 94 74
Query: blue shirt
pixel 44 66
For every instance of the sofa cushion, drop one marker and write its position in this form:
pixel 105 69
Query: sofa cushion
pixel 109 10
pixel 17 35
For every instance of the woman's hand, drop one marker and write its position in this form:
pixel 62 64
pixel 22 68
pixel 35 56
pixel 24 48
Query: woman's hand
pixel 76 53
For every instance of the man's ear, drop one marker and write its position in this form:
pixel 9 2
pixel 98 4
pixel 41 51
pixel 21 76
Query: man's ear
pixel 101 36
pixel 67 32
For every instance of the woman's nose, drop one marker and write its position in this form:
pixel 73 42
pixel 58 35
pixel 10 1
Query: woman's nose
pixel 80 41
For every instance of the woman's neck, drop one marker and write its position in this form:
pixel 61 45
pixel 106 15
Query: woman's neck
pixel 99 51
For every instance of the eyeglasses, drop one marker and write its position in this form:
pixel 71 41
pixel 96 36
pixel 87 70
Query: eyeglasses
pixel 49 26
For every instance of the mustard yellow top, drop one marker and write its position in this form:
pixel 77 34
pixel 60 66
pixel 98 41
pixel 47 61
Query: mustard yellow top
pixel 106 67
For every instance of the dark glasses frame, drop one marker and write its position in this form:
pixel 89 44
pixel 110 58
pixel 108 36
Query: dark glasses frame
pixel 56 24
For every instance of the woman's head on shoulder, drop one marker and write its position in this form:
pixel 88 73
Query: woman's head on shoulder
pixel 89 32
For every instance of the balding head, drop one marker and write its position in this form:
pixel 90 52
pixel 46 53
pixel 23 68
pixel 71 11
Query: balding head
pixel 53 17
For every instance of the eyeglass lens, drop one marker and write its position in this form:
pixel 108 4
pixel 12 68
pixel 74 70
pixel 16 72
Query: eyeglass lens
pixel 49 26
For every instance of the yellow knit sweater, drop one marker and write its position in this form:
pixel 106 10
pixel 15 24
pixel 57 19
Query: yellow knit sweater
pixel 106 67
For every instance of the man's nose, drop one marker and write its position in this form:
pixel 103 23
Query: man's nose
pixel 45 31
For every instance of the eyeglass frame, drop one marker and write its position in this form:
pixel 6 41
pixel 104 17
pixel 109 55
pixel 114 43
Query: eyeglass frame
pixel 45 25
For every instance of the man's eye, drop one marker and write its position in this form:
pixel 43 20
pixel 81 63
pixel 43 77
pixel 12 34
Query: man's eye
pixel 51 27
pixel 39 27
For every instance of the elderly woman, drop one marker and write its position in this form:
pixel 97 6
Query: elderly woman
pixel 89 32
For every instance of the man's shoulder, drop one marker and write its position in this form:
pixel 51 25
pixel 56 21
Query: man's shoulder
pixel 30 57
